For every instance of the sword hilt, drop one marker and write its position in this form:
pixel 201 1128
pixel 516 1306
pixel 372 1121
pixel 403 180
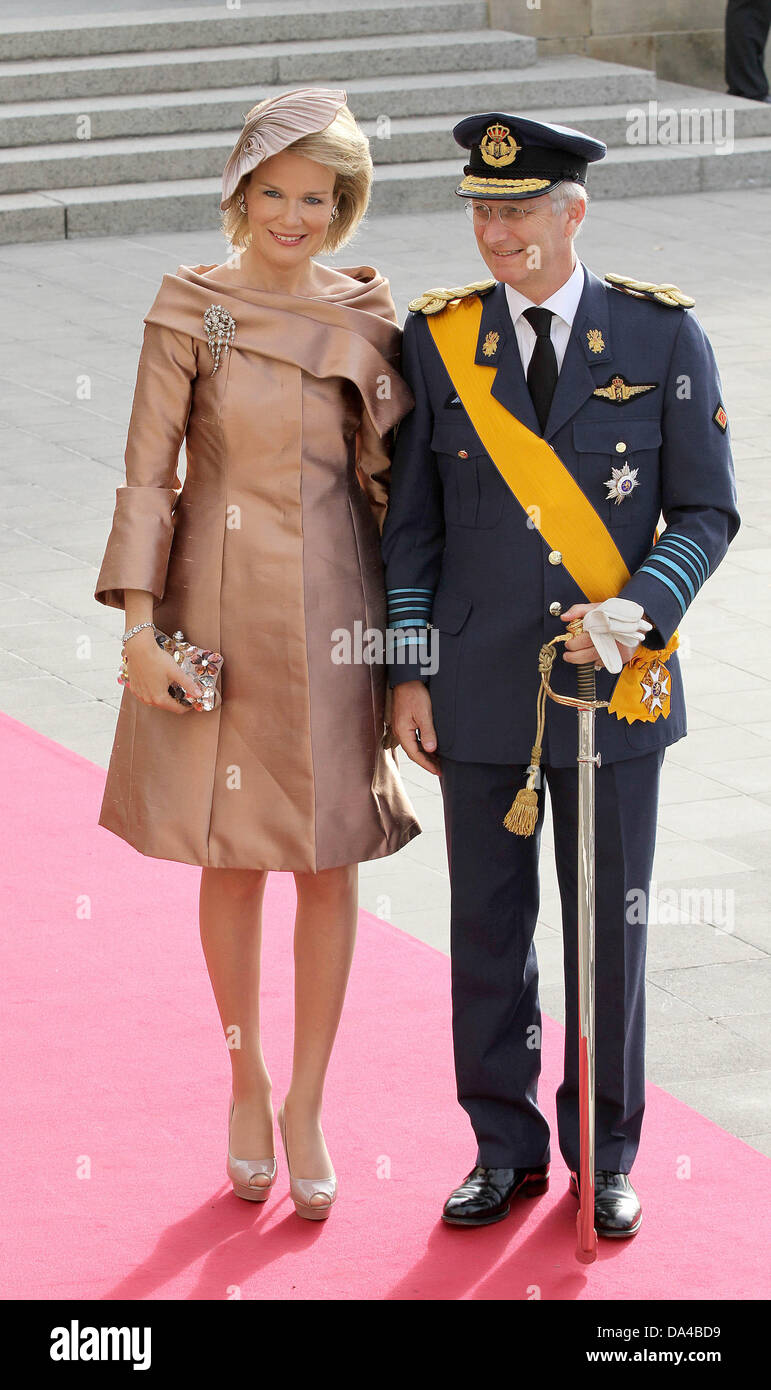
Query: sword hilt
pixel 587 682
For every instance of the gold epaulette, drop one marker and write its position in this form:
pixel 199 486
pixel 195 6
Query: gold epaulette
pixel 641 289
pixel 433 301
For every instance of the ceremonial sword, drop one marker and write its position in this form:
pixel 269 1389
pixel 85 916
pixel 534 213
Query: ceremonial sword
pixel 586 1247
pixel 586 704
pixel 521 820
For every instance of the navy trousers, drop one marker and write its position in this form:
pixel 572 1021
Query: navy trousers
pixel 746 33
pixel 496 1016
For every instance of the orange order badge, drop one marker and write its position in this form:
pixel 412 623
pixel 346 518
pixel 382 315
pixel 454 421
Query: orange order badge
pixel 643 690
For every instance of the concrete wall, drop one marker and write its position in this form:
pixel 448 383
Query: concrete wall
pixel 681 40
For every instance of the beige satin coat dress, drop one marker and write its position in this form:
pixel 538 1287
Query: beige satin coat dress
pixel 271 544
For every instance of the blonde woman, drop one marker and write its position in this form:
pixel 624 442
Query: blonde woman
pixel 271 545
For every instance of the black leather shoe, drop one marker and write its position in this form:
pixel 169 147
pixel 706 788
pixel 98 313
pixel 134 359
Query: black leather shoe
pixel 617 1211
pixel 485 1194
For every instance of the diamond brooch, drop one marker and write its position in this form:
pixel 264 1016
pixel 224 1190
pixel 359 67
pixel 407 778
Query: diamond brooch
pixel 220 329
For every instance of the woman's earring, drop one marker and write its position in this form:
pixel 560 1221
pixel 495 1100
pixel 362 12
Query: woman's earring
pixel 334 213
pixel 242 202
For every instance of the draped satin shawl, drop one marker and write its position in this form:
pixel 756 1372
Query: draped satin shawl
pixel 348 330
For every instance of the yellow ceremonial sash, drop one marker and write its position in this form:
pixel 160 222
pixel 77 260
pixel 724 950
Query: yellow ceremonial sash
pixel 550 495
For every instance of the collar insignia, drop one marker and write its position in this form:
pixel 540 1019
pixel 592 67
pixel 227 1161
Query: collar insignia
pixel 490 344
pixel 618 390
pixel 595 340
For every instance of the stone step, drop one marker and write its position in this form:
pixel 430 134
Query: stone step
pixel 619 124
pixel 193 205
pixel 627 171
pixel 571 80
pixel 94 163
pixel 212 26
pixel 325 60
pixel 149 158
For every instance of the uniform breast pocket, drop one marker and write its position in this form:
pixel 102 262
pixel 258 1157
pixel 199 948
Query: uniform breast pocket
pixel 618 467
pixel 474 491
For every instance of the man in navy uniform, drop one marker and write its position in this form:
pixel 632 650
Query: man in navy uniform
pixel 547 403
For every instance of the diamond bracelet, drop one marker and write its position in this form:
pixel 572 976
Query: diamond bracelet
pixel 132 630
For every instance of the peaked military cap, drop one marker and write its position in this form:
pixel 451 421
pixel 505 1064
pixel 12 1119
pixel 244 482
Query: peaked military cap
pixel 513 157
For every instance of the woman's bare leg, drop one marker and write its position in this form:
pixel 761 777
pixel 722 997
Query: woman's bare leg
pixel 230 910
pixel 325 934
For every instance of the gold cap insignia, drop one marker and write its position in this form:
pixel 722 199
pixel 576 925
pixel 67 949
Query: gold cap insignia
pixel 490 344
pixel 595 340
pixel 498 146
pixel 618 390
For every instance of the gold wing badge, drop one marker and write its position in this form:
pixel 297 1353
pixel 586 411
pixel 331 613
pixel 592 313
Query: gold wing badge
pixel 618 390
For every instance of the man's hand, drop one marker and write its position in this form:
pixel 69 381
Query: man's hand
pixel 412 722
pixel 580 650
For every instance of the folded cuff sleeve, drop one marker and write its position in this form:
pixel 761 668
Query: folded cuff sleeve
pixel 139 544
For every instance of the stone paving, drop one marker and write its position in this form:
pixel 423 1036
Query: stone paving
pixel 72 315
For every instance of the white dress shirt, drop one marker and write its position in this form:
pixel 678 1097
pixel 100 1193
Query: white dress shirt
pixel 563 304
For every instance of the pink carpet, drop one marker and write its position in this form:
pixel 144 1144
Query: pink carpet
pixel 115 1084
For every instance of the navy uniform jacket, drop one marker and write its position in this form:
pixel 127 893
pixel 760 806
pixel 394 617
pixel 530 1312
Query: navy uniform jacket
pixel 460 551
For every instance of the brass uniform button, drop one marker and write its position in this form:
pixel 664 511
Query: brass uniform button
pixel 555 557
pixel 555 608
pixel 462 454
pixel 621 447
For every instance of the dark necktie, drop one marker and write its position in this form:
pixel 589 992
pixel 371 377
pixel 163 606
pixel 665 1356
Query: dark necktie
pixel 542 372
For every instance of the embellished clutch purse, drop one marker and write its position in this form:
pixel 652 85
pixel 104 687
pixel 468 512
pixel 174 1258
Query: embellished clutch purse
pixel 200 663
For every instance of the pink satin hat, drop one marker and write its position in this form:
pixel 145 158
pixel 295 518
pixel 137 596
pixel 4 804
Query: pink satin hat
pixel 282 121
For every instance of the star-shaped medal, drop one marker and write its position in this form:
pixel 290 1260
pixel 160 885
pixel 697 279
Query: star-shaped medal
pixel 624 480
pixel 655 687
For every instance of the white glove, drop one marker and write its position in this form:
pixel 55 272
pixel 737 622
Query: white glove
pixel 615 620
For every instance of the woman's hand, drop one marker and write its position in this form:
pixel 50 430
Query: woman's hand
pixel 151 671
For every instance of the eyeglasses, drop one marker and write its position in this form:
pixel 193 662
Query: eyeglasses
pixel 509 214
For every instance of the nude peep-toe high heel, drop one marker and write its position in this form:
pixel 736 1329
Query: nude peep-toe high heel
pixel 303 1189
pixel 242 1171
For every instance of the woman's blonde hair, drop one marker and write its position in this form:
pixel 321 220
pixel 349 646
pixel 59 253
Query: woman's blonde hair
pixel 342 147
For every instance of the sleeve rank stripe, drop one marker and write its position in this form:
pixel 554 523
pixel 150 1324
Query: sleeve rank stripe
pixel 687 556
pixel 678 543
pixel 648 570
pixel 671 564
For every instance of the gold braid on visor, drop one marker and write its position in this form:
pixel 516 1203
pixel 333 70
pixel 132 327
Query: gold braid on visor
pixel 472 183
